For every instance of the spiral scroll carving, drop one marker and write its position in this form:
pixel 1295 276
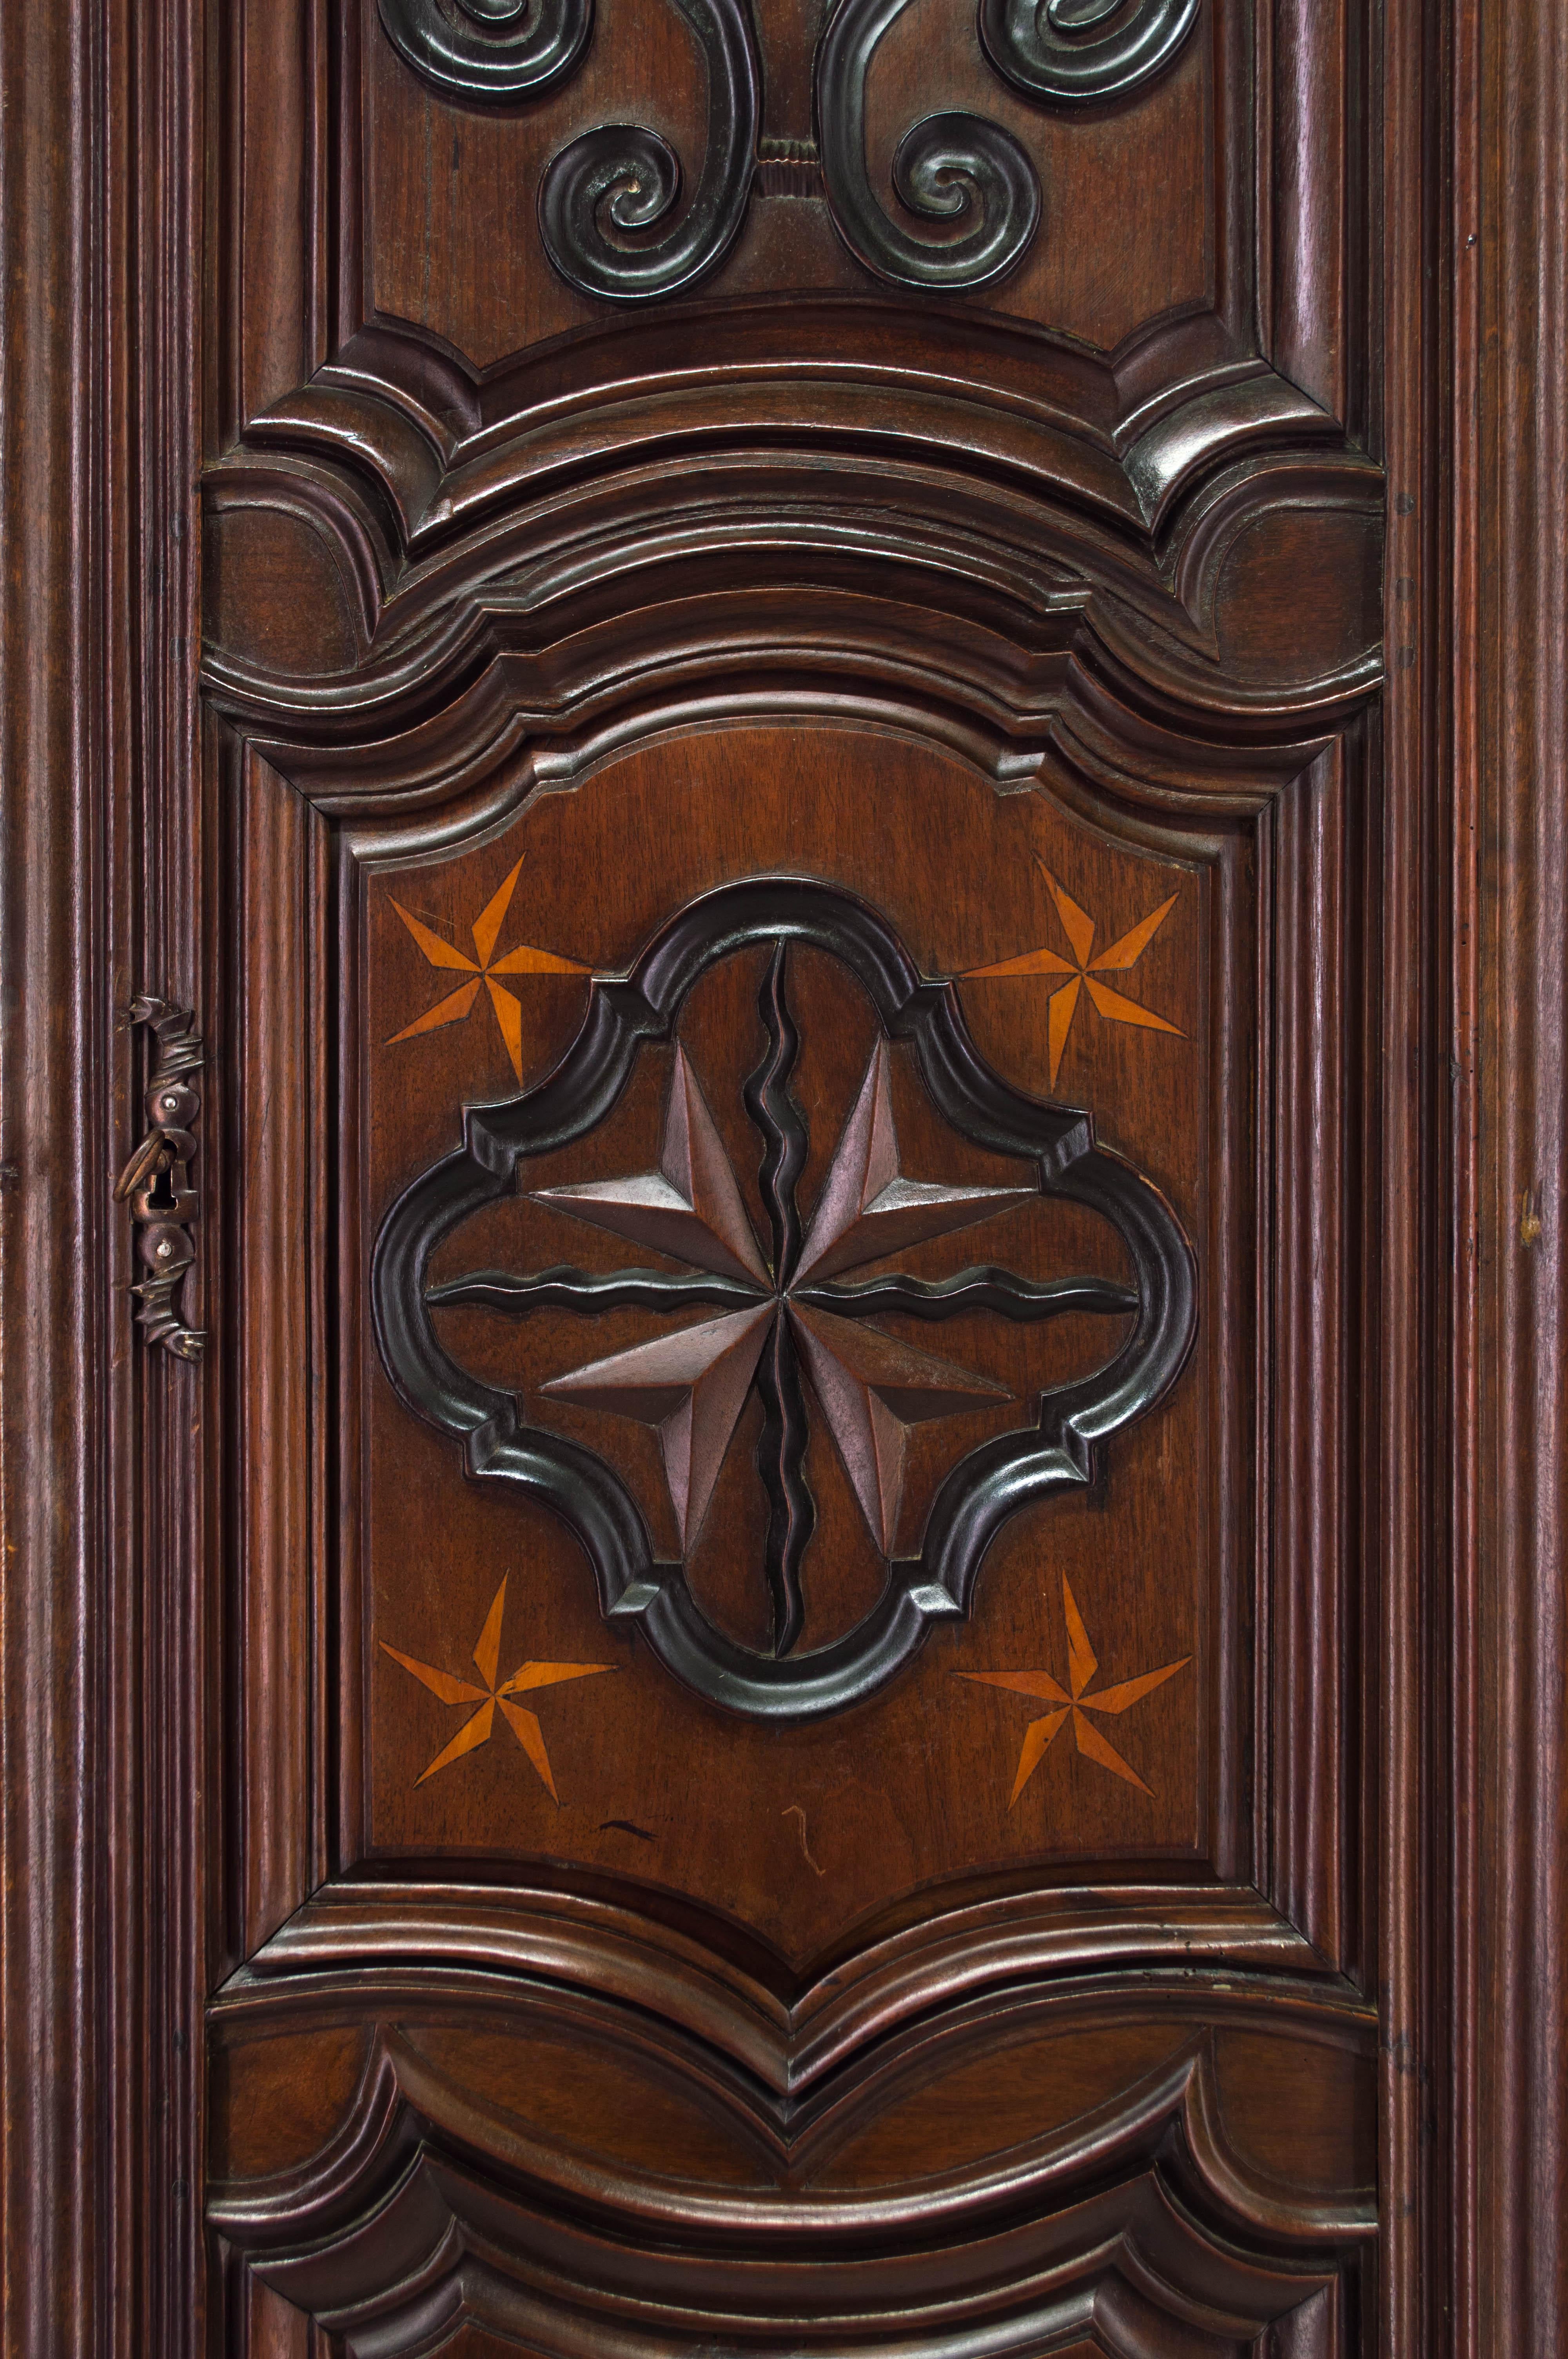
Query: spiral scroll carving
pixel 952 171
pixel 1077 52
pixel 495 49
pixel 623 180
pixel 610 202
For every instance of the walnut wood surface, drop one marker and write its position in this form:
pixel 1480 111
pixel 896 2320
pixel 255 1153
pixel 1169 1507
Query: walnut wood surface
pixel 1167 1959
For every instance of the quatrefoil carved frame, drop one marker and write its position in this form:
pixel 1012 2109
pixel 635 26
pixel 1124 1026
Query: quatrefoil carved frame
pixel 995 1481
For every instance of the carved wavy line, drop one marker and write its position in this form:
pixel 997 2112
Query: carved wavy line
pixel 986 1288
pixel 776 1115
pixel 781 1461
pixel 589 1290
pixel 982 1492
pixel 780 1450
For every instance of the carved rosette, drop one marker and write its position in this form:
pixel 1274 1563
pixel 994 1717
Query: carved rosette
pixel 796 1322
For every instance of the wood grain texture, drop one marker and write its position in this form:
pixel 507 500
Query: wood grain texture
pixel 1106 540
pixel 275 1053
pixel 1150 599
pixel 105 1500
pixel 864 1382
pixel 383 1919
pixel 1508 1148
pixel 947 2240
pixel 787 2030
pixel 1404 1032
pixel 58 943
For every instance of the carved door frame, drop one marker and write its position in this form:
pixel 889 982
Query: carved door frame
pixel 112 1512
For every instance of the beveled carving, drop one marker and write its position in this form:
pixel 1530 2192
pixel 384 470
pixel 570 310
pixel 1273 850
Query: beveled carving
pixel 693 1387
pixel 692 1384
pixel 872 1389
pixel 690 1207
pixel 1379 202
pixel 867 1208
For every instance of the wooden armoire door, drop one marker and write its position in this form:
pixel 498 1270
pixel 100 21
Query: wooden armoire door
pixel 767 924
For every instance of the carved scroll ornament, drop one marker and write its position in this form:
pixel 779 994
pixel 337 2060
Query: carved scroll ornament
pixel 609 202
pixel 1082 52
pixel 623 179
pixel 792 1321
pixel 496 50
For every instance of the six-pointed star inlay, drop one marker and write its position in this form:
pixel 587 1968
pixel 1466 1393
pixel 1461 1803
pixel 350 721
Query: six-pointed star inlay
pixel 785 1318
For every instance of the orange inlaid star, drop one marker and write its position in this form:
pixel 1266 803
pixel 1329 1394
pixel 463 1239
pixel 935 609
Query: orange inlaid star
pixel 483 970
pixel 1072 1703
pixel 491 1699
pixel 1084 970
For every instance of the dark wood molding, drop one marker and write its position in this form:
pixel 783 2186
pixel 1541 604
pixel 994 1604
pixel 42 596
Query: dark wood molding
pixel 57 1249
pixel 793 2036
pixel 103 1485
pixel 1507 2098
pixel 1423 813
pixel 631 2249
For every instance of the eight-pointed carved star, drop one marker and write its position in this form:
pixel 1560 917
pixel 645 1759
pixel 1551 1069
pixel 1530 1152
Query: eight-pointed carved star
pixel 693 1386
pixel 484 969
pixel 525 1724
pixel 1072 1702
pixel 1084 971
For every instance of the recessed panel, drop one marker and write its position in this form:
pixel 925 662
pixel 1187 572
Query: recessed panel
pixel 908 1411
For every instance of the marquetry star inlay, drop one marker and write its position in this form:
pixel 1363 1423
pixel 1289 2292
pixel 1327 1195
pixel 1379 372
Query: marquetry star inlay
pixel 482 970
pixel 1084 970
pixel 491 1699
pixel 1074 1702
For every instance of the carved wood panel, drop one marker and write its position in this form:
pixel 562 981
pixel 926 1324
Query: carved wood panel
pixel 792 650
